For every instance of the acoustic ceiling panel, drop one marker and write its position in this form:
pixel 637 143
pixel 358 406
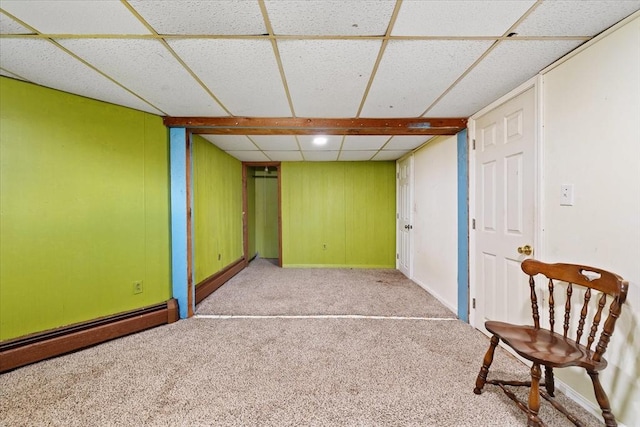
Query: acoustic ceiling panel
pixel 243 74
pixel 275 142
pixel 332 17
pixel 575 18
pixel 327 78
pixel 413 73
pixel 333 142
pixel 231 142
pixel 360 142
pixel 41 62
pixel 408 142
pixel 220 17
pixel 354 156
pixel 284 156
pixel 390 155
pixel 147 68
pixel 511 63
pixel 10 26
pixel 249 156
pixel 75 17
pixel 8 74
pixel 321 156
pixel 458 18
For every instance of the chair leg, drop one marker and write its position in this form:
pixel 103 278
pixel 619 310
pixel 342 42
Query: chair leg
pixel 549 383
pixel 486 363
pixel 603 400
pixel 534 397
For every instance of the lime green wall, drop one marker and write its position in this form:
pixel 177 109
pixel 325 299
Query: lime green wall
pixel 266 215
pixel 85 209
pixel 251 212
pixel 338 214
pixel 217 205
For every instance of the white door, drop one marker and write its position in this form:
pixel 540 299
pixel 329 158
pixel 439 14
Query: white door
pixel 505 139
pixel 405 196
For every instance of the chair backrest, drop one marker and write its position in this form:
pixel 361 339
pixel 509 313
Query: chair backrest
pixel 609 284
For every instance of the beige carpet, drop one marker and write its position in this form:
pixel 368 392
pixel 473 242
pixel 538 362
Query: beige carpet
pixel 274 371
pixel 264 289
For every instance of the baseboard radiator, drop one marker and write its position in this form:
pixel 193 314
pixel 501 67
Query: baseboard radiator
pixel 213 282
pixel 34 348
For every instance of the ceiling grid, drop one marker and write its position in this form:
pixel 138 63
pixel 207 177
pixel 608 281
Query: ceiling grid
pixel 378 67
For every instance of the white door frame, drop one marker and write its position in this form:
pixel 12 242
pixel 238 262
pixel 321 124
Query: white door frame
pixel 538 244
pixel 408 157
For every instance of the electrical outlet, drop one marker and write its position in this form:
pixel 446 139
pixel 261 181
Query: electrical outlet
pixel 137 287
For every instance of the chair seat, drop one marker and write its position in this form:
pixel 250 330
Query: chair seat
pixel 545 347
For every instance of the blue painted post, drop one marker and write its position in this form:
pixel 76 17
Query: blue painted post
pixel 463 226
pixel 178 166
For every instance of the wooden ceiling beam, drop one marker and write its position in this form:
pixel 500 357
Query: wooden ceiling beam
pixel 315 126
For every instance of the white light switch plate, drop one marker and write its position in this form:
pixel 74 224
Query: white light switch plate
pixel 566 195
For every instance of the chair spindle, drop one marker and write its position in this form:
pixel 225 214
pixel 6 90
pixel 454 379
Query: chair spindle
pixel 534 303
pixel 567 309
pixel 552 319
pixel 583 314
pixel 596 320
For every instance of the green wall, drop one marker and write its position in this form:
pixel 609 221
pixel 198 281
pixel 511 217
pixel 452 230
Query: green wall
pixel 338 214
pixel 266 214
pixel 84 202
pixel 217 206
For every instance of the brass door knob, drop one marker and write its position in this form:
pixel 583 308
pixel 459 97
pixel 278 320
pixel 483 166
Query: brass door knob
pixel 525 250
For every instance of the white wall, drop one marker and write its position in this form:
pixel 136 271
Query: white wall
pixel 591 139
pixel 435 213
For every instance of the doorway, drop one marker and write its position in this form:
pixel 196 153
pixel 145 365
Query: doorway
pixel 505 209
pixel 261 211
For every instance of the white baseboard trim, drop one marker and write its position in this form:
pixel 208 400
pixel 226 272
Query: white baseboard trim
pixel 581 400
pixel 454 309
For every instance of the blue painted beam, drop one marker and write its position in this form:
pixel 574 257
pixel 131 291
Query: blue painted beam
pixel 463 226
pixel 178 172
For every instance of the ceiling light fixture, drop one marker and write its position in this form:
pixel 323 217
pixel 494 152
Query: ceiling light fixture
pixel 320 140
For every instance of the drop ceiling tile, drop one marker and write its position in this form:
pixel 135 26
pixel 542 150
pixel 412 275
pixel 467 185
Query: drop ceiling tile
pixel 284 156
pixel 333 143
pixel 320 156
pixel 458 18
pixel 350 156
pixel 11 75
pixel 9 26
pixel 413 73
pixel 245 78
pixel 41 62
pixel 231 142
pixel 390 155
pixel 333 17
pixel 249 156
pixel 147 68
pixel 275 142
pixel 364 142
pixel 406 142
pixel 76 17
pixel 327 78
pixel 575 18
pixel 220 17
pixel 511 63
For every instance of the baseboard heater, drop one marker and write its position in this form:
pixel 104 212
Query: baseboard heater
pixel 213 282
pixel 34 348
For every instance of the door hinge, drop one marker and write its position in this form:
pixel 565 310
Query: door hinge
pixel 473 303
pixel 473 143
pixel 398 175
pixel 473 224
pixel 397 216
pixel 397 256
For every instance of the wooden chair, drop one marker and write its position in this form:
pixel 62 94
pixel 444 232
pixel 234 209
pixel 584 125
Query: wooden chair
pixel 554 350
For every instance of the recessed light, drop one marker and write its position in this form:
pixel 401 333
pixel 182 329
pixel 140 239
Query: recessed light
pixel 320 140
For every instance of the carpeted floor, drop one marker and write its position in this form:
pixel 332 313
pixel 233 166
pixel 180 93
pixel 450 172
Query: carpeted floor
pixel 264 289
pixel 274 371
